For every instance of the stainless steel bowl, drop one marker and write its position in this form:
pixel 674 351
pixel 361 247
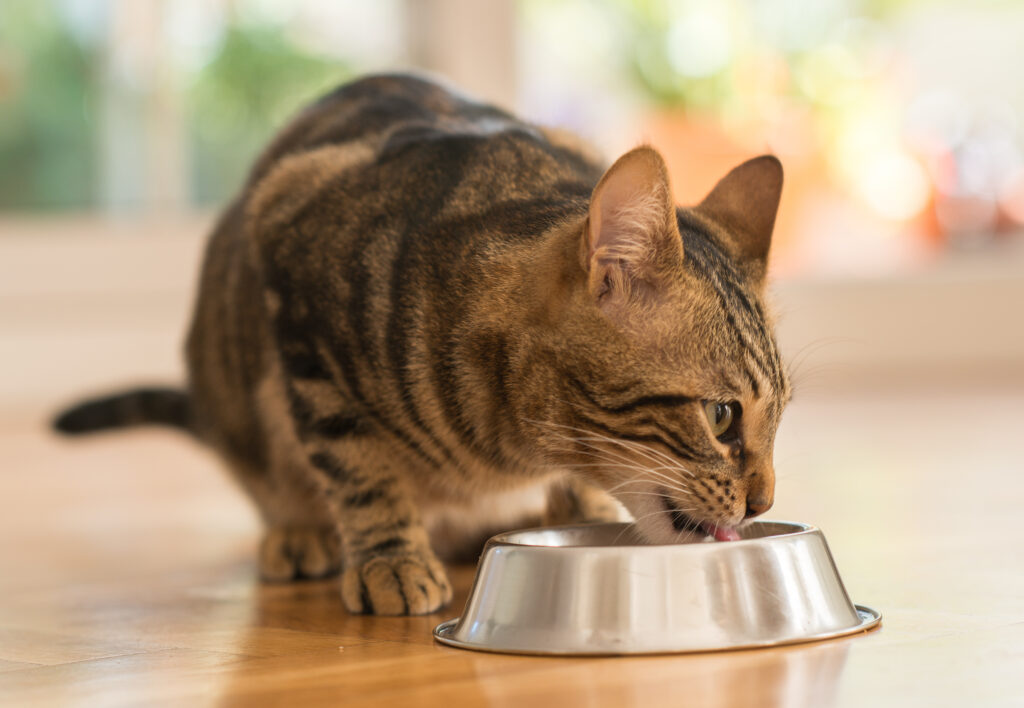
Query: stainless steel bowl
pixel 599 589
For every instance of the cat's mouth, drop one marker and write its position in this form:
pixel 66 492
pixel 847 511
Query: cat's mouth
pixel 682 522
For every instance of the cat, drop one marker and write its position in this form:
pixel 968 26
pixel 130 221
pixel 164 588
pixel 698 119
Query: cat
pixel 421 313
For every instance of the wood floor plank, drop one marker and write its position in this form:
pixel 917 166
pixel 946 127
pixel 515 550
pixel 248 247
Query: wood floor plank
pixel 16 665
pixel 145 678
pixel 33 646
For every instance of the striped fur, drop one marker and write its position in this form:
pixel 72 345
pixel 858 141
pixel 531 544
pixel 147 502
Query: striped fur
pixel 408 317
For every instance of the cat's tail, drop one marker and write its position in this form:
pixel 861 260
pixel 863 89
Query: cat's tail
pixel 140 406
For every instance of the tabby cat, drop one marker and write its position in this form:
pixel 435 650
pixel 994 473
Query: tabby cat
pixel 422 313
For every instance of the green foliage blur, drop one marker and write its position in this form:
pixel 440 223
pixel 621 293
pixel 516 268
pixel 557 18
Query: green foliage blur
pixel 252 86
pixel 48 98
pixel 659 34
pixel 53 84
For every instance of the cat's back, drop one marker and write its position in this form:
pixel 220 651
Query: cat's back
pixel 401 150
pixel 401 115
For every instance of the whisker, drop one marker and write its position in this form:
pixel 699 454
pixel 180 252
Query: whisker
pixel 643 450
pixel 651 494
pixel 677 485
pixel 646 473
pixel 589 444
pixel 599 454
pixel 641 479
pixel 595 446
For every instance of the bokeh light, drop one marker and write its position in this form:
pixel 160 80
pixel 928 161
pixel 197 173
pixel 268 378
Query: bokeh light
pixel 895 185
pixel 699 42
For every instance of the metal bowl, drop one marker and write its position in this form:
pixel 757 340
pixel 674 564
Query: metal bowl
pixel 599 589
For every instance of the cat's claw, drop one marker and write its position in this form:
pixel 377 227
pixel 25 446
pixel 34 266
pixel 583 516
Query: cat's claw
pixel 405 584
pixel 290 552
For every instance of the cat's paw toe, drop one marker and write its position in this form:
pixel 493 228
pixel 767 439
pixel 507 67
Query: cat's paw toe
pixel 405 584
pixel 292 552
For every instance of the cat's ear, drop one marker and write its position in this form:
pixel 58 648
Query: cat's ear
pixel 744 204
pixel 632 237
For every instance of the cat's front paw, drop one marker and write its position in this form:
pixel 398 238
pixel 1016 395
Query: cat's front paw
pixel 411 583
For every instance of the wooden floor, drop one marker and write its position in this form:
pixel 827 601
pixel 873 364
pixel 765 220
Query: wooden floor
pixel 126 578
pixel 126 561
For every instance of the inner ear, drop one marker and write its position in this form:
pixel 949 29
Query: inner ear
pixel 632 236
pixel 745 203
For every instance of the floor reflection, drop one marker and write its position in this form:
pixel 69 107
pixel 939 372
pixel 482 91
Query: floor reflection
pixel 792 677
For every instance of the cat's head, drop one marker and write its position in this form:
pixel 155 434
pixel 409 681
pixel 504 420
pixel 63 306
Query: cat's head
pixel 672 384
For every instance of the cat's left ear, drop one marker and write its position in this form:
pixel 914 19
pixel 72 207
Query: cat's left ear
pixel 744 203
pixel 632 237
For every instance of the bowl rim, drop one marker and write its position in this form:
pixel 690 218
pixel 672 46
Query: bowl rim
pixel 501 540
pixel 869 620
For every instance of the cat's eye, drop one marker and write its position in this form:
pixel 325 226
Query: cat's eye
pixel 722 417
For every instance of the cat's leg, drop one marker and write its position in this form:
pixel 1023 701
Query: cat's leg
pixel 573 501
pixel 389 567
pixel 301 538
pixel 363 488
pixel 294 552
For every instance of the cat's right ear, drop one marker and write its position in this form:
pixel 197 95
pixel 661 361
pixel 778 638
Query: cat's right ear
pixel 745 203
pixel 632 236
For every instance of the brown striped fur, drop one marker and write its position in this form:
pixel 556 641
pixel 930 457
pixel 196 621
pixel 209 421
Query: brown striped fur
pixel 420 308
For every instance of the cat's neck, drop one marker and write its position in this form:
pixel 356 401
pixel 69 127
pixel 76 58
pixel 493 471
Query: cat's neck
pixel 548 275
pixel 529 298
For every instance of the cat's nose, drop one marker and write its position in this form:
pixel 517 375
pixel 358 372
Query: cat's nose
pixel 756 507
pixel 761 492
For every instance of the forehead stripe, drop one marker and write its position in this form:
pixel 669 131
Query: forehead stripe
pixel 723 278
pixel 633 403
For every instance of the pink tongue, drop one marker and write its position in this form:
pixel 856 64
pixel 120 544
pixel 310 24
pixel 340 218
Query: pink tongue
pixel 721 533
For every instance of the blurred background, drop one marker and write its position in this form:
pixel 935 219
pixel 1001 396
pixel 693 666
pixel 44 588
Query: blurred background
pixel 899 251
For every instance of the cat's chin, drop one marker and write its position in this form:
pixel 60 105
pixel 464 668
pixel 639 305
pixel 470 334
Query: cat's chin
pixel 659 532
pixel 665 523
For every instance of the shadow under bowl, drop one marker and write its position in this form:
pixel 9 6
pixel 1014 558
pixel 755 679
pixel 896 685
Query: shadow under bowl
pixel 600 589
